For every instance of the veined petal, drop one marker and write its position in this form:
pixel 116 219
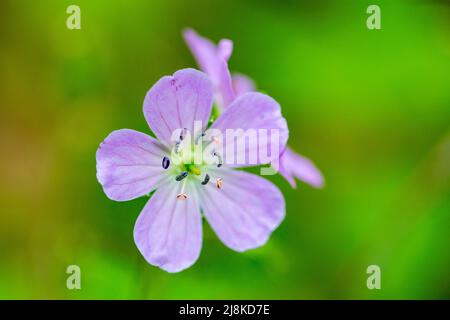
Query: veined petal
pixel 242 84
pixel 129 164
pixel 175 102
pixel 245 211
pixel 254 119
pixel 294 165
pixel 213 60
pixel 168 232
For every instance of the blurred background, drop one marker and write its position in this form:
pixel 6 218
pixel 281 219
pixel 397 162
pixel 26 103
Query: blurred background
pixel 370 107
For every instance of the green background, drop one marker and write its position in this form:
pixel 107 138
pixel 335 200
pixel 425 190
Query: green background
pixel 371 108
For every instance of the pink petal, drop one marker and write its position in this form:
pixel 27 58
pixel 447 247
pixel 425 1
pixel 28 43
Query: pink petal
pixel 245 211
pixel 294 165
pixel 175 102
pixel 129 164
pixel 225 49
pixel 213 60
pixel 252 112
pixel 168 232
pixel 242 84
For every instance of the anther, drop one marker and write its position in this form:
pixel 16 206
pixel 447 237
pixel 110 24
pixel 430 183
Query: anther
pixel 182 196
pixel 219 183
pixel 215 140
pixel 178 143
pixel 165 162
pixel 199 137
pixel 182 134
pixel 215 154
pixel 206 180
pixel 181 176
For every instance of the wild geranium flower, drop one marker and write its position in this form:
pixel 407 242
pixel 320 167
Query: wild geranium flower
pixel 242 208
pixel 213 60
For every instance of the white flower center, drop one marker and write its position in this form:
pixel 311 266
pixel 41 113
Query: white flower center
pixel 190 163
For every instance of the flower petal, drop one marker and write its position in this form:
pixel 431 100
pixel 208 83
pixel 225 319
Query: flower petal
pixel 204 50
pixel 242 84
pixel 245 211
pixel 225 49
pixel 295 165
pixel 213 60
pixel 252 113
pixel 168 232
pixel 129 164
pixel 175 102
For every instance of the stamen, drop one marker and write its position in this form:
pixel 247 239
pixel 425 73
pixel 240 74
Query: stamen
pixel 199 136
pixel 178 143
pixel 206 180
pixel 165 162
pixel 182 134
pixel 181 176
pixel 219 183
pixel 177 147
pixel 215 154
pixel 182 196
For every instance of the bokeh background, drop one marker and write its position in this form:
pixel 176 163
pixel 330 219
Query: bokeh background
pixel 372 108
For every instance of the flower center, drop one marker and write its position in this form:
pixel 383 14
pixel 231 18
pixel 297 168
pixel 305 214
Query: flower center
pixel 191 168
pixel 187 163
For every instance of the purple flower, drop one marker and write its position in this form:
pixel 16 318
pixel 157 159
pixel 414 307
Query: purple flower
pixel 243 209
pixel 214 61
